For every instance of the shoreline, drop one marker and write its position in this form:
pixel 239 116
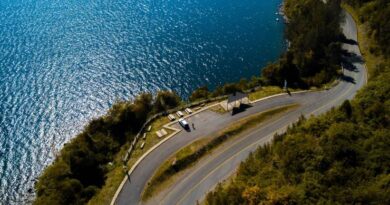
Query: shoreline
pixel 281 11
pixel 80 115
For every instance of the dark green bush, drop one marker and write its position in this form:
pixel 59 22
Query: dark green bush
pixel 314 53
pixel 201 93
pixel 79 170
pixel 341 157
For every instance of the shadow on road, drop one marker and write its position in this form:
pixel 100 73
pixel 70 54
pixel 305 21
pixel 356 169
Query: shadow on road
pixel 351 57
pixel 348 41
pixel 348 59
pixel 240 109
pixel 348 79
pixel 349 66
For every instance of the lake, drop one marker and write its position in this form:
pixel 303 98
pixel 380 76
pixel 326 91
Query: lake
pixel 63 63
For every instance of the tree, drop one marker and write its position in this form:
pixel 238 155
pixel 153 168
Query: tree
pixel 166 100
pixel 200 94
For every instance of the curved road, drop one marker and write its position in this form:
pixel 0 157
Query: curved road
pixel 206 174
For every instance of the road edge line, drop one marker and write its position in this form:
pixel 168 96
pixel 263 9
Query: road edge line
pixel 135 165
pixel 119 189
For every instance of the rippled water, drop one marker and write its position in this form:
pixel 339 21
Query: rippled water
pixel 63 62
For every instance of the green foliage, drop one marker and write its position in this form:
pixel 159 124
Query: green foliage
pixel 201 93
pixel 79 170
pixel 342 157
pixel 376 13
pixel 313 57
pixel 166 100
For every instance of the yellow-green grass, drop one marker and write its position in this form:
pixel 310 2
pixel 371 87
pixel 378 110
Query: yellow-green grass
pixel 218 109
pixel 117 172
pixel 153 187
pixel 365 41
pixel 265 91
pixel 161 179
pixel 210 103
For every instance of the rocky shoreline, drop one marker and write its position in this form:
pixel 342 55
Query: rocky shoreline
pixel 281 11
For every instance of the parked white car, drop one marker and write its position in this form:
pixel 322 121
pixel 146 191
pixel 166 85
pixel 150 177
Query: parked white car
pixel 184 123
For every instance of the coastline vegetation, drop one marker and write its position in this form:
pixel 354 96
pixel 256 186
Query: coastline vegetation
pixel 341 157
pixel 203 92
pixel 314 54
pixel 117 170
pixel 81 167
pixel 80 170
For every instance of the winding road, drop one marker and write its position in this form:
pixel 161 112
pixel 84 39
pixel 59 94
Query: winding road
pixel 197 181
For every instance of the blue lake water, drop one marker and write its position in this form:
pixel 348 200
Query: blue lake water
pixel 64 62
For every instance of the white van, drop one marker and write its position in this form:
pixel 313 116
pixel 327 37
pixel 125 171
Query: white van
pixel 184 123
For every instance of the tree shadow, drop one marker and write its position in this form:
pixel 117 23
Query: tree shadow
pixel 349 66
pixel 344 39
pixel 351 57
pixel 349 41
pixel 355 59
pixel 240 109
pixel 348 59
pixel 348 79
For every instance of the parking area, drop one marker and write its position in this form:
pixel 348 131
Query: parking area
pixel 200 121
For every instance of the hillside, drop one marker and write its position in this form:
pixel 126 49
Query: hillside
pixel 341 157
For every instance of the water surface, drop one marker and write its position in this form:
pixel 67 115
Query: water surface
pixel 63 62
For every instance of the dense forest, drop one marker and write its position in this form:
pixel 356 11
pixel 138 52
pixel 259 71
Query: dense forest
pixel 203 92
pixel 314 50
pixel 341 157
pixel 79 170
pixel 325 155
pixel 377 14
pixel 314 53
pixel 314 35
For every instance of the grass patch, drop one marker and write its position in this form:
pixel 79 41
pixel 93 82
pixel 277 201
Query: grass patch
pixel 117 172
pixel 267 91
pixel 365 41
pixel 264 92
pixel 218 109
pixel 189 155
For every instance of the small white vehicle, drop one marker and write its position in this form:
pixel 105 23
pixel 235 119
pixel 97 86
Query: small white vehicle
pixel 184 123
pixel 179 114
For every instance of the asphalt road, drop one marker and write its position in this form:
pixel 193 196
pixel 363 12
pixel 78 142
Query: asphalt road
pixel 206 174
